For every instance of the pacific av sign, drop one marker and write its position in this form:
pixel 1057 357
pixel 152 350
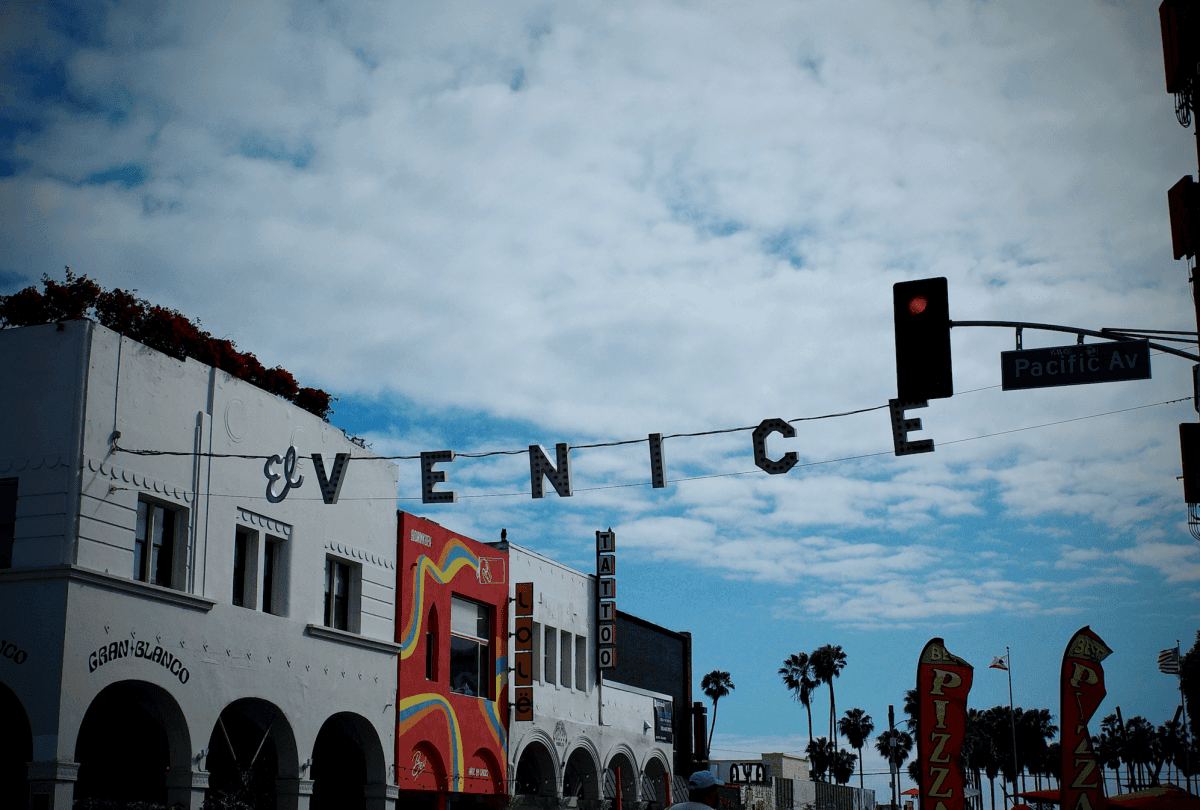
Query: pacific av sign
pixel 1075 365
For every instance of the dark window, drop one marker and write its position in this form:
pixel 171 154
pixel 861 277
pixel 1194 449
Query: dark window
pixel 548 650
pixel 271 552
pixel 241 547
pixel 154 544
pixel 431 645
pixel 470 655
pixel 8 520
pixel 337 595
pixel 581 663
pixel 564 659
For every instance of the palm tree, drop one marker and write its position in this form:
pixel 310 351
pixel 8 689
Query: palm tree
pixel 979 752
pixel 1112 726
pixel 843 766
pixel 857 726
pixel 895 745
pixel 820 758
pixel 797 676
pixel 910 709
pixel 827 663
pixel 1034 728
pixel 716 685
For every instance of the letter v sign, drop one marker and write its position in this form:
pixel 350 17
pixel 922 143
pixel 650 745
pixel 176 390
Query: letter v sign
pixel 331 487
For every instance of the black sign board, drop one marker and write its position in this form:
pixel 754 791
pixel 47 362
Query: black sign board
pixel 1075 365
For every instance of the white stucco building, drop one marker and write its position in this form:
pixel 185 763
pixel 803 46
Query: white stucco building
pixel 583 730
pixel 173 627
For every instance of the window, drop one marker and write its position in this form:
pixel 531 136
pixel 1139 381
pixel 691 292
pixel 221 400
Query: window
pixel 8 520
pixel 565 659
pixel 337 594
pixel 242 541
pixel 431 645
pixel 154 544
pixel 548 650
pixel 470 655
pixel 581 663
pixel 535 664
pixel 272 578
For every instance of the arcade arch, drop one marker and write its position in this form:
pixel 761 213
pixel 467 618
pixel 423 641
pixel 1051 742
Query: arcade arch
pixel 131 734
pixel 622 771
pixel 16 748
pixel 251 746
pixel 654 782
pixel 536 774
pixel 347 756
pixel 581 778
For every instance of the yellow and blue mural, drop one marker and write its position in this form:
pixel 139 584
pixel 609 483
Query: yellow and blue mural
pixel 447 741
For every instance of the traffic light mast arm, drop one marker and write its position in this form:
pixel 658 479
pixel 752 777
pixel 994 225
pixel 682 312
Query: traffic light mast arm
pixel 1075 330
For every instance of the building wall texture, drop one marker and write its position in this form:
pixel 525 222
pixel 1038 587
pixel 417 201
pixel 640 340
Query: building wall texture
pixel 108 653
pixel 584 730
pixel 660 660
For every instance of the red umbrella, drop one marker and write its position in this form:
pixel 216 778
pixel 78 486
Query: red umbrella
pixel 909 792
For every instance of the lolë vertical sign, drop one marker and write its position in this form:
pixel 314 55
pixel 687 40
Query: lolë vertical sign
pixel 943 682
pixel 606 599
pixel 523 652
pixel 1081 691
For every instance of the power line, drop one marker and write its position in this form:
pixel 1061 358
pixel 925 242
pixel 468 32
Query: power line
pixel 118 449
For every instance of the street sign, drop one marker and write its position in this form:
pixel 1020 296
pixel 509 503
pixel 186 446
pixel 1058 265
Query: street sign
pixel 1075 365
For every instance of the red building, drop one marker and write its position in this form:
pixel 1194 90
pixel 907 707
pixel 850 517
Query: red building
pixel 452 716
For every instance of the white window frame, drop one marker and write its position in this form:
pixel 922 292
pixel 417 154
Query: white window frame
pixel 354 597
pixel 177 574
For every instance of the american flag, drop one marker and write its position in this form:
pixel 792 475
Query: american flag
pixel 1168 661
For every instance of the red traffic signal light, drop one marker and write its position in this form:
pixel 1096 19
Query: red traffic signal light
pixel 922 319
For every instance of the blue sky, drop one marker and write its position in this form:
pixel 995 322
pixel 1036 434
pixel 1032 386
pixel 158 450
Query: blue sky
pixel 484 226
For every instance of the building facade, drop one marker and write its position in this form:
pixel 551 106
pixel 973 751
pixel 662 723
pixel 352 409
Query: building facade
pixel 188 615
pixel 451 741
pixel 652 657
pixel 780 781
pixel 589 739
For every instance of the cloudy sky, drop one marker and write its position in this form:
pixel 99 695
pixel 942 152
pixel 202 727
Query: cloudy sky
pixel 488 225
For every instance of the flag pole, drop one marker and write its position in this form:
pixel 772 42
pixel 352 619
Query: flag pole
pixel 1187 737
pixel 1012 722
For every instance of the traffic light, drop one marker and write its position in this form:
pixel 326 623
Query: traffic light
pixel 1189 446
pixel 922 318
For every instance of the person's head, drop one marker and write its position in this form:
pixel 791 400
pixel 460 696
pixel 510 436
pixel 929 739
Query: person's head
pixel 702 787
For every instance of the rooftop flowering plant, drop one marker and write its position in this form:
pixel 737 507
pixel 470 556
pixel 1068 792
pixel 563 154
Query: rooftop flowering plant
pixel 157 327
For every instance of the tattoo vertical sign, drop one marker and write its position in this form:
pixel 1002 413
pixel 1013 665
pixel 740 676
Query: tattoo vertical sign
pixel 1080 694
pixel 943 683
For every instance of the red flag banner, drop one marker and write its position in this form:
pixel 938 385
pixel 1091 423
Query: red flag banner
pixel 943 682
pixel 1080 694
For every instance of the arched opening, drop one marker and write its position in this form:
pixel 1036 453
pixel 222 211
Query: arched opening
pixel 131 734
pixel 622 773
pixel 535 772
pixel 347 757
pixel 431 645
pixel 654 784
pixel 581 778
pixel 484 775
pixel 247 750
pixel 16 749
